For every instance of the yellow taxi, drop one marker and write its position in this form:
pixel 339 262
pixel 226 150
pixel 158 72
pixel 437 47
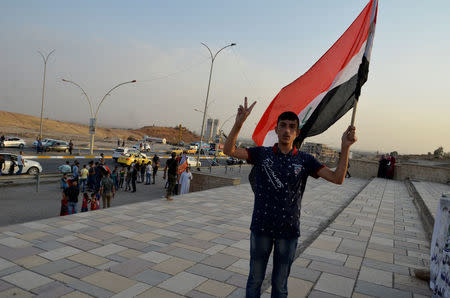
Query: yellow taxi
pixel 190 151
pixel 177 151
pixel 133 158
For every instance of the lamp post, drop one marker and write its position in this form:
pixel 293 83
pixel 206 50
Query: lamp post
pixel 93 119
pixel 213 57
pixel 45 58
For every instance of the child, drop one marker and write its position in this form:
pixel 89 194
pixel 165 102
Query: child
pixel 64 182
pixel 115 178
pixel 64 205
pixel 86 200
pixel 121 177
pixel 94 203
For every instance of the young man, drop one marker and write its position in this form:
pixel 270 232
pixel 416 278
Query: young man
pixel 107 190
pixel 72 196
pixel 20 163
pixel 280 173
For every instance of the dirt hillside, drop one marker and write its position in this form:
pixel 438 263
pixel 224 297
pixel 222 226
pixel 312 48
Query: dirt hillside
pixel 28 126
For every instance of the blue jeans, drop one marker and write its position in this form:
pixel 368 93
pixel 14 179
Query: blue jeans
pixel 283 256
pixel 20 170
pixel 72 207
pixel 82 184
pixel 148 178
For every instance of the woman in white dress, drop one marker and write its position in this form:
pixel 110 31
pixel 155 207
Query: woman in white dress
pixel 185 181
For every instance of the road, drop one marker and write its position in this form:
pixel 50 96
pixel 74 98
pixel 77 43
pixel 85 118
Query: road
pixel 22 203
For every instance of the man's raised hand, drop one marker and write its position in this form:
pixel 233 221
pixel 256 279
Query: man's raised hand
pixel 244 111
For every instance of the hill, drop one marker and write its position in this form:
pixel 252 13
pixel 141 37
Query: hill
pixel 28 126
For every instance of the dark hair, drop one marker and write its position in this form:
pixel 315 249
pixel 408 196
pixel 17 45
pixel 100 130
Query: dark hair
pixel 288 116
pixel 174 154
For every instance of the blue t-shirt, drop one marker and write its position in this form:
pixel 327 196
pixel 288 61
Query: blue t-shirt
pixel 278 182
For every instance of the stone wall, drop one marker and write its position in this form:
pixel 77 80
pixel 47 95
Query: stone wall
pixel 367 169
pixel 203 181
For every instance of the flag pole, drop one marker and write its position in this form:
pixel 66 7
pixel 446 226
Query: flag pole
pixel 352 123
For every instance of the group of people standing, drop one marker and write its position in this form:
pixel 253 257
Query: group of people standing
pixel 386 166
pixel 178 175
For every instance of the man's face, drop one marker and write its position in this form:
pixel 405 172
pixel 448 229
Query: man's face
pixel 287 131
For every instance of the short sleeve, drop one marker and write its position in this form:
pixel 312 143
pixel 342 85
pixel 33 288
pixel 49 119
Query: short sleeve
pixel 312 165
pixel 255 155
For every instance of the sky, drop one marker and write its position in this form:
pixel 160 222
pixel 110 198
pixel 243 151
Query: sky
pixel 404 106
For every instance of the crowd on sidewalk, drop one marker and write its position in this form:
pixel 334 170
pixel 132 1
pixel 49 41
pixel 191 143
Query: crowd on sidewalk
pixel 97 183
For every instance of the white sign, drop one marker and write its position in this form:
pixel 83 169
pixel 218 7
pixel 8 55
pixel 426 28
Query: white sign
pixel 440 250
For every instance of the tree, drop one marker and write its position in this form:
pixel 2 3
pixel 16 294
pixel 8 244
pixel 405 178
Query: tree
pixel 439 152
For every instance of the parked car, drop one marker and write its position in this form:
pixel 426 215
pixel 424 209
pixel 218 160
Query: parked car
pixel 192 162
pixel 13 142
pixel 216 152
pixel 235 161
pixel 56 145
pixel 123 151
pixel 132 158
pixel 30 167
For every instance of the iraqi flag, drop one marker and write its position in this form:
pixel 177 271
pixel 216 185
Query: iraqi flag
pixel 330 88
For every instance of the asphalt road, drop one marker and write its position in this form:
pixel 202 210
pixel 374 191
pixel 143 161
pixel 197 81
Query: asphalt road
pixel 22 203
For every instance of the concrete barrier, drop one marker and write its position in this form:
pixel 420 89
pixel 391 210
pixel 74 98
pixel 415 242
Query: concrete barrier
pixel 367 169
pixel 203 181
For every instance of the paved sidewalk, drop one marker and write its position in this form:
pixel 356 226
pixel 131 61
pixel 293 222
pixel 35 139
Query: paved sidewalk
pixel 195 246
pixel 431 192
pixel 370 250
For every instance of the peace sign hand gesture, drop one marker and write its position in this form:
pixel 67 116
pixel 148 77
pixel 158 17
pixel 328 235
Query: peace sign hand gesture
pixel 243 112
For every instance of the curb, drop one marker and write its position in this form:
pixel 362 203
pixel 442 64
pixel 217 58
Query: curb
pixel 425 214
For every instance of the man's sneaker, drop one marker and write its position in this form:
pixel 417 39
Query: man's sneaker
pixel 169 198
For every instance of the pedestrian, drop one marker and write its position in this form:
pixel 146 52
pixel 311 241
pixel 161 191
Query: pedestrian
pixel 171 169
pixel 382 166
pixel 12 166
pixel 97 176
pixel 83 178
pixel 86 201
pixel 2 164
pixel 107 190
pixel 142 168
pixel 115 178
pixel 134 174
pixel 72 193
pixel 91 176
pixel 20 163
pixel 64 182
pixel 123 143
pixel 391 168
pixel 148 173
pixel 185 181
pixel 155 164
pixel 278 180
pixel 128 179
pixel 70 147
pixel 38 145
pixel 76 170
pixel 118 142
pixel 64 205
pixel 121 177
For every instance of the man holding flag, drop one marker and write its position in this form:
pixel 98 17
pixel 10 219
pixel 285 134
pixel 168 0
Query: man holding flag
pixel 306 107
pixel 280 173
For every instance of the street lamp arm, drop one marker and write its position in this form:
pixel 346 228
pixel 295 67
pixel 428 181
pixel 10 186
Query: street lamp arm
pixel 108 93
pixel 230 45
pixel 45 58
pixel 85 94
pixel 212 57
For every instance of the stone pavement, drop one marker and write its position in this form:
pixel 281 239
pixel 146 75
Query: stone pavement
pixel 198 246
pixel 370 250
pixel 430 193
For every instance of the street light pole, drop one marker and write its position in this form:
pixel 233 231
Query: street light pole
pixel 93 119
pixel 45 58
pixel 213 57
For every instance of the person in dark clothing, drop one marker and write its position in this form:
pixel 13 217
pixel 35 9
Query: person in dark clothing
pixel 134 174
pixel 155 164
pixel 70 147
pixel 72 193
pixel 382 167
pixel 171 169
pixel 142 169
pixel 279 177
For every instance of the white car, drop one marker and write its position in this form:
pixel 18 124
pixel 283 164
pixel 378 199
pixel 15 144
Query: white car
pixel 44 141
pixel 192 162
pixel 123 151
pixel 30 167
pixel 13 142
